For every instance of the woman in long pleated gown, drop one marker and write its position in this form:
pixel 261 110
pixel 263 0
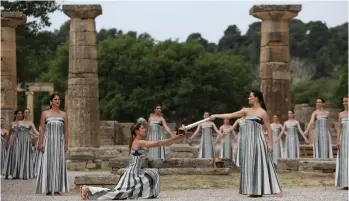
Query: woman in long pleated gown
pixel 322 147
pixel 52 178
pixel 290 128
pixel 240 123
pixel 12 163
pixel 156 123
pixel 4 132
pixel 25 133
pixel 343 148
pixel 276 128
pixel 226 150
pixel 206 144
pixel 135 182
pixel 258 176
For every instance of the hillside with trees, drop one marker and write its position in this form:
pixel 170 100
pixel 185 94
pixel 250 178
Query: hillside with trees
pixel 136 71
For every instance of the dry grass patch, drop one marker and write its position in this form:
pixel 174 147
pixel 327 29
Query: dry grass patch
pixel 287 180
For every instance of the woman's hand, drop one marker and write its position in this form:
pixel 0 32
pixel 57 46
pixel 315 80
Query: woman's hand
pixel 41 147
pixel 270 147
pixel 212 118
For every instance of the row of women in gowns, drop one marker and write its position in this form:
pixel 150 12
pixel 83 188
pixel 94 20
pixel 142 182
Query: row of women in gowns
pixel 258 176
pixel 18 154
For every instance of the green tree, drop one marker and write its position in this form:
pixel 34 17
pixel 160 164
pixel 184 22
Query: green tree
pixel 135 74
pixel 33 50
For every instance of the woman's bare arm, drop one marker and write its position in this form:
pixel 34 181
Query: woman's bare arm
pixel 312 119
pixel 237 114
pixel 196 132
pixel 339 130
pixel 265 118
pixel 66 130
pixel 150 144
pixel 166 127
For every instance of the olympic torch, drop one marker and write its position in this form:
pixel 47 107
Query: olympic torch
pixel 182 129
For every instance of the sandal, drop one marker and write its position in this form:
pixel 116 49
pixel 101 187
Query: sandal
pixel 82 192
pixel 57 193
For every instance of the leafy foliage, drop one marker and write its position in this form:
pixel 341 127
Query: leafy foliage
pixel 136 71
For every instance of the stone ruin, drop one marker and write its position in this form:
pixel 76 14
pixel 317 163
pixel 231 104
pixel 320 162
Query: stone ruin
pixel 30 89
pixel 102 144
pixel 9 22
pixel 275 74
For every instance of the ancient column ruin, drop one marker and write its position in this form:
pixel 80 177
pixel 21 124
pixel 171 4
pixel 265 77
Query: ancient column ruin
pixel 83 95
pixel 9 22
pixel 30 89
pixel 275 73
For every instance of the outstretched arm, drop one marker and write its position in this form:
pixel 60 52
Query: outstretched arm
pixel 230 115
pixel 150 144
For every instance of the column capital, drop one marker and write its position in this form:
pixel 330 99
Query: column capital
pixel 12 19
pixel 82 11
pixel 29 93
pixel 275 12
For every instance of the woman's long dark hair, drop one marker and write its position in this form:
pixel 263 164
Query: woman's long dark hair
pixel 52 97
pixel 133 129
pixel 260 97
pixel 16 112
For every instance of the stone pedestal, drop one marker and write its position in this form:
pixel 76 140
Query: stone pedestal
pixel 82 94
pixel 275 56
pixel 9 22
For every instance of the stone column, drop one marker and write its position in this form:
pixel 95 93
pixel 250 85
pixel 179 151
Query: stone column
pixel 82 95
pixel 9 22
pixel 30 103
pixel 275 56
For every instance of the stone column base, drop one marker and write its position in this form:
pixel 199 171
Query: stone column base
pixel 83 158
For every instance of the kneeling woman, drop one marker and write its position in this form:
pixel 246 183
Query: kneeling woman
pixel 134 182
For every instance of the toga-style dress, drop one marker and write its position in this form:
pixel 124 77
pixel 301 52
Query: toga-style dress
pixel 258 176
pixel 292 141
pixel 52 171
pixel 277 147
pixel 156 135
pixel 226 151
pixel 241 139
pixel 134 183
pixel 342 156
pixel 322 140
pixel 206 143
